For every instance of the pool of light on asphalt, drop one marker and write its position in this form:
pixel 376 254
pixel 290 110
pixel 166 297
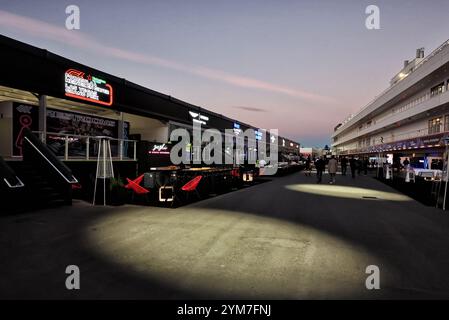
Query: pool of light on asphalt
pixel 347 192
pixel 230 253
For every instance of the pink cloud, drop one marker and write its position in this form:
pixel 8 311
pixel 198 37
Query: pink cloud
pixel 78 39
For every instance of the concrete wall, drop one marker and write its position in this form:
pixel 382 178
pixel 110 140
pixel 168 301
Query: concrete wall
pixel 150 129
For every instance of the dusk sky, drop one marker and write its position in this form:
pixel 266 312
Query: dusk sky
pixel 298 66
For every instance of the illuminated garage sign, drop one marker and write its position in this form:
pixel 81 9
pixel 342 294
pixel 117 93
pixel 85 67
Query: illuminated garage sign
pixel 78 85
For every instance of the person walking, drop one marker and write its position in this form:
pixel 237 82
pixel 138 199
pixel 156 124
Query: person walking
pixel 344 164
pixel 320 165
pixel 353 166
pixel 332 169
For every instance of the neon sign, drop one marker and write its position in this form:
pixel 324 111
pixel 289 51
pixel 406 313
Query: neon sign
pixel 159 149
pixel 78 85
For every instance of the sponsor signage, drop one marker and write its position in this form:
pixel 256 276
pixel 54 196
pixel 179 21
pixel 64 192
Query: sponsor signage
pixel 433 140
pixel 61 121
pixel 159 149
pixel 199 118
pixel 152 155
pixel 24 117
pixel 424 142
pixel 87 87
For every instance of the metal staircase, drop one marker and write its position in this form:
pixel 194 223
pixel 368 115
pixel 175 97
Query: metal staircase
pixel 39 181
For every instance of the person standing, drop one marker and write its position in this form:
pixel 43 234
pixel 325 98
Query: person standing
pixel 319 166
pixel 406 163
pixel 344 164
pixel 353 166
pixel 308 166
pixel 332 169
pixel 311 162
pixel 359 165
pixel 440 164
pixel 365 165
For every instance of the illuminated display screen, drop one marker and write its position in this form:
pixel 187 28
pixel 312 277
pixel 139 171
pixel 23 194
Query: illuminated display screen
pixel 78 85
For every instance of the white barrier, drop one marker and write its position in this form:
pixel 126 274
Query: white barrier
pixel 388 172
pixel 409 174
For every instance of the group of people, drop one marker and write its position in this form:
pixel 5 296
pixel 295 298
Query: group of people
pixel 356 165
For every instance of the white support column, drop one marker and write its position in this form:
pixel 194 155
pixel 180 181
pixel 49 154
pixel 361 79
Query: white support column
pixel 121 135
pixel 121 127
pixel 43 116
pixel 66 147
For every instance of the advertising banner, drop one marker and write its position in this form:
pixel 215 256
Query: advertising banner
pixel 24 116
pixel 62 122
